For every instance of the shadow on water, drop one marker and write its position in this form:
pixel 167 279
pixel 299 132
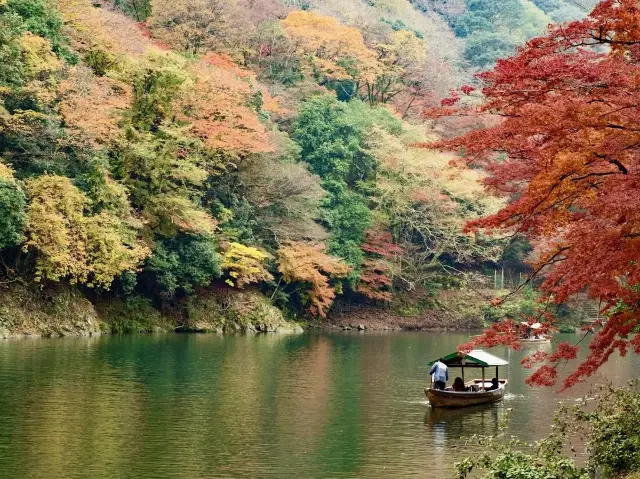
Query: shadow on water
pixel 483 419
pixel 530 348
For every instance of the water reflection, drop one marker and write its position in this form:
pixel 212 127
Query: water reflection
pixel 316 405
pixel 531 348
pixel 483 419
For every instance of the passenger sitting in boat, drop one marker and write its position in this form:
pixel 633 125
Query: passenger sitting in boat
pixel 458 385
pixel 495 384
pixel 440 374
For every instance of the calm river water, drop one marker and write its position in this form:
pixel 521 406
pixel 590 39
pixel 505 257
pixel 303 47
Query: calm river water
pixel 194 406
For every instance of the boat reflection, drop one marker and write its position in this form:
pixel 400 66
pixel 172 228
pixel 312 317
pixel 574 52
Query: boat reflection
pixel 542 346
pixel 483 419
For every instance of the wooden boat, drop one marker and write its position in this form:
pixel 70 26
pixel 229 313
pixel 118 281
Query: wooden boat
pixel 451 398
pixel 476 391
pixel 532 338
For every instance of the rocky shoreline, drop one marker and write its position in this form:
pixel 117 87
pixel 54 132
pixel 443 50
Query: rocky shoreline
pixel 360 317
pixel 64 311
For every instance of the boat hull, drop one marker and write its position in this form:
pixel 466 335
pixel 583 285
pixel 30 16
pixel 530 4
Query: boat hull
pixel 453 399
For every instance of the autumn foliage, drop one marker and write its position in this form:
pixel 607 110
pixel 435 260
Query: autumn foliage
pixel 334 51
pixel 156 148
pixel 215 106
pixel 91 250
pixel 308 263
pixel 80 92
pixel 244 265
pixel 569 132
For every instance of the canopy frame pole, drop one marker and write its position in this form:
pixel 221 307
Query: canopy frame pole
pixel 497 376
pixel 483 388
pixel 462 372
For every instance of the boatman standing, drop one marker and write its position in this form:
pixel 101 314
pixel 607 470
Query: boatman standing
pixel 440 374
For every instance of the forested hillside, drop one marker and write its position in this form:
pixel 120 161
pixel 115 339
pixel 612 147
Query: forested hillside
pixel 160 152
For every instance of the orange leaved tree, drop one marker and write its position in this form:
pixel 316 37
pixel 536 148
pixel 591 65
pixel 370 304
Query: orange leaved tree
pixel 309 264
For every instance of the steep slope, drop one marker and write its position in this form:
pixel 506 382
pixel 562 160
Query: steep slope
pixel 162 151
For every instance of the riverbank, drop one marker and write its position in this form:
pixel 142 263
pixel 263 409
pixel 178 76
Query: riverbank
pixel 371 318
pixel 449 310
pixel 66 311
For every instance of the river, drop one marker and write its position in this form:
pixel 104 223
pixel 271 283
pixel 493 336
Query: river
pixel 195 405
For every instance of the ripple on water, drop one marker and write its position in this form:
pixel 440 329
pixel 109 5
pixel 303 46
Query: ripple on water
pixel 512 396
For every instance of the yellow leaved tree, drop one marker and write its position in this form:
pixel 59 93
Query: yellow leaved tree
pixel 37 57
pixel 6 173
pixel 71 245
pixel 403 57
pixel 244 265
pixel 332 51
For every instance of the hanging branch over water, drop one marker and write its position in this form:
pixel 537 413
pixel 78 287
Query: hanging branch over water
pixel 568 104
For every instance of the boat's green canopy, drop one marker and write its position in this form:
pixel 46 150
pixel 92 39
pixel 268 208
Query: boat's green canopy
pixel 474 359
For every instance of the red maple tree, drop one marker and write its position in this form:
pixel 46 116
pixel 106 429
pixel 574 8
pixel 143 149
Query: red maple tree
pixel 567 152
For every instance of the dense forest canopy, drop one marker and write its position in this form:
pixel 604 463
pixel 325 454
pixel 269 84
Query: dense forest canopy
pixel 157 148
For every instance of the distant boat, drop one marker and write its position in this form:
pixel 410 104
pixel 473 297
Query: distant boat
pixel 531 337
pixel 476 390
